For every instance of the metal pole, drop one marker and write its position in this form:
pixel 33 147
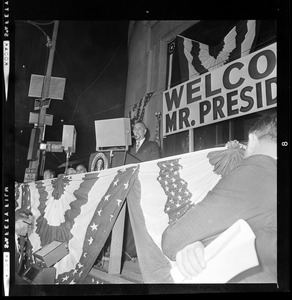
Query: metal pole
pixel 45 94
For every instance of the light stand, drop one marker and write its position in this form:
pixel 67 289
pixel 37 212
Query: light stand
pixel 68 154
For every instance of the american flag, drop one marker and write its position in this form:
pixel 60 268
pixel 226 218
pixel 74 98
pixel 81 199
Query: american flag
pixel 159 182
pixel 81 209
pixel 175 187
pixel 138 110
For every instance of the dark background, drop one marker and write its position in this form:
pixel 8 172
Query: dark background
pixel 92 56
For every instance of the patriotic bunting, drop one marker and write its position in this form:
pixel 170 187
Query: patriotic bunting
pixel 190 59
pixel 81 209
pixel 138 110
pixel 178 195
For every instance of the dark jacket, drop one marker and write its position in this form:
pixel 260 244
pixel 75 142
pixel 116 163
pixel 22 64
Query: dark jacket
pixel 19 261
pixel 248 192
pixel 149 150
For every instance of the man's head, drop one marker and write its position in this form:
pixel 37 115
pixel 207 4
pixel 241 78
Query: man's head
pixel 71 171
pixel 139 130
pixel 262 137
pixel 80 169
pixel 23 222
pixel 48 174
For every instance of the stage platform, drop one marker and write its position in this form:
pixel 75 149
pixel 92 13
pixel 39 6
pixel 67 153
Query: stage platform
pixel 130 274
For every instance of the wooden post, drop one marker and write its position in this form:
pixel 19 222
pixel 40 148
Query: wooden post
pixel 45 93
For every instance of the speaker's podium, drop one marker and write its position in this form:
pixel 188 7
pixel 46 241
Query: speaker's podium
pixel 43 272
pixel 113 137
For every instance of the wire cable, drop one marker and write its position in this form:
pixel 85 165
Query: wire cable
pixel 42 23
pixel 38 27
pixel 109 63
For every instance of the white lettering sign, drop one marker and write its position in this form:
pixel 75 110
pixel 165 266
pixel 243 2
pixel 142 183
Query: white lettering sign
pixel 241 87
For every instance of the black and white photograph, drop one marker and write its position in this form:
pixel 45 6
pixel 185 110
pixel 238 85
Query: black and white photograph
pixel 145 151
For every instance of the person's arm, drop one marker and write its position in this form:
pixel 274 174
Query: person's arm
pixel 203 222
pixel 191 260
pixel 243 195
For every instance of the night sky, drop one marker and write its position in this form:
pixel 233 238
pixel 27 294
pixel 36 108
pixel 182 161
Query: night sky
pixel 91 53
pixel 92 56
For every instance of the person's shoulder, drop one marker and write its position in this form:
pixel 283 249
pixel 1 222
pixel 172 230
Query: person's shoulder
pixel 254 165
pixel 262 159
pixel 153 144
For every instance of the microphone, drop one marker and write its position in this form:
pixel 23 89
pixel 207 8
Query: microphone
pixel 132 135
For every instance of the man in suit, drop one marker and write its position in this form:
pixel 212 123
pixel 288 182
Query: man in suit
pixel 142 150
pixel 23 224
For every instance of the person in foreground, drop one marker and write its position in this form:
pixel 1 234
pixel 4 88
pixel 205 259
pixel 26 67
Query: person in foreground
pixel 23 224
pixel 248 192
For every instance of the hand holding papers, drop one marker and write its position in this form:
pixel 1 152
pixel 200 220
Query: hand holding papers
pixel 191 260
pixel 228 255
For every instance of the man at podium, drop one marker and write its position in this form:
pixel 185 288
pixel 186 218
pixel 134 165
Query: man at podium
pixel 142 150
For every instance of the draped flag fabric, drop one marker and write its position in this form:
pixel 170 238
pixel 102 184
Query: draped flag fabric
pixel 82 208
pixel 168 187
pixel 138 110
pixel 190 59
pixel 157 128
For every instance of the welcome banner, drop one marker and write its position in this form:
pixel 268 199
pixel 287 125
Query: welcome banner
pixel 241 87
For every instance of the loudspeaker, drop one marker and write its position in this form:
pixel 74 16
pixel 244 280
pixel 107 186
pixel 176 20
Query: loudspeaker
pixel 36 275
pixel 113 133
pixel 33 144
pixel 69 136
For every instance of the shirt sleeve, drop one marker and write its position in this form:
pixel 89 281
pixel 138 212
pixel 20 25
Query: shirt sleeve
pixel 239 195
